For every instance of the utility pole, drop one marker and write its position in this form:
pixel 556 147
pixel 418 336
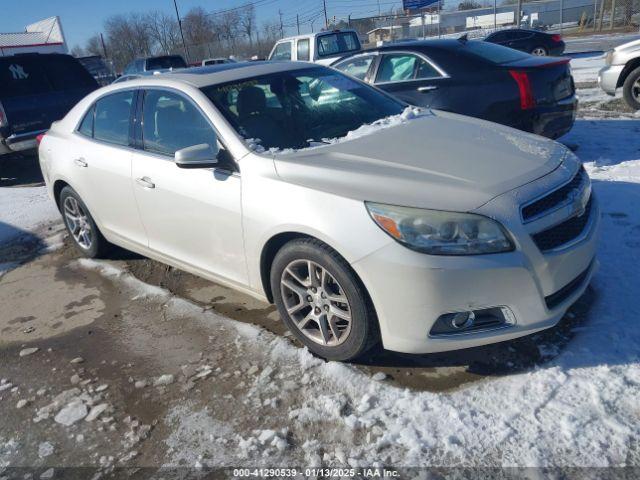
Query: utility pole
pixel 326 20
pixel 104 48
pixel 184 44
pixel 298 23
pixel 281 28
pixel 518 14
pixel 562 16
pixel 495 19
pixel 379 12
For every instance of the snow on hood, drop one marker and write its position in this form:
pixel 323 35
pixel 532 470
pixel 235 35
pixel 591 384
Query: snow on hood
pixel 432 160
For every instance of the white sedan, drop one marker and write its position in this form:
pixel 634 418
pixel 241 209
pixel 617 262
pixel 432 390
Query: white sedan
pixel 363 219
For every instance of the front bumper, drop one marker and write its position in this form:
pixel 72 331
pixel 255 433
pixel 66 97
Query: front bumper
pixel 411 290
pixel 608 78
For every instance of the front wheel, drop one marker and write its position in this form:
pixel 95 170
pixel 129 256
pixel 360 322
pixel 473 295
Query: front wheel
pixel 539 52
pixel 321 300
pixel 631 89
pixel 81 226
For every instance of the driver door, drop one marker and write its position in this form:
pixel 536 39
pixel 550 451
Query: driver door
pixel 191 216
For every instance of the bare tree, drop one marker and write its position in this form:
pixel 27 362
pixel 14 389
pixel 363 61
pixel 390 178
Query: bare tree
pixel 199 32
pixel 248 22
pixel 128 37
pixel 77 51
pixel 164 31
pixel 94 46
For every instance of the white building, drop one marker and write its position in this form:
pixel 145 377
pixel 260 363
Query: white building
pixel 45 36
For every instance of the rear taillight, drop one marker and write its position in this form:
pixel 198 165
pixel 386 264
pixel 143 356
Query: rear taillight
pixel 556 38
pixel 39 138
pixel 527 99
pixel 3 117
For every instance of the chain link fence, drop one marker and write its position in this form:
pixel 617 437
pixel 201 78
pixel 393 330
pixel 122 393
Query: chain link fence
pixel 568 17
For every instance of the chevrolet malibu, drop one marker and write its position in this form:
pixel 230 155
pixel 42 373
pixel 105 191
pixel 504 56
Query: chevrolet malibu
pixel 362 219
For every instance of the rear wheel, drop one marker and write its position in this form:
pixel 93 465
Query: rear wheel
pixel 631 89
pixel 539 52
pixel 321 300
pixel 81 226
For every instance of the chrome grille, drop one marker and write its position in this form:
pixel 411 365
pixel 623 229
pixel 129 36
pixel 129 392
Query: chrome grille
pixel 564 232
pixel 554 200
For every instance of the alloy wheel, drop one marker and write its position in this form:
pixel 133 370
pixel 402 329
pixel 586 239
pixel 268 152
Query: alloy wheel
pixel 539 52
pixel 635 90
pixel 316 302
pixel 78 222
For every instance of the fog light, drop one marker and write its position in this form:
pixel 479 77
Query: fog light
pixel 455 323
pixel 463 320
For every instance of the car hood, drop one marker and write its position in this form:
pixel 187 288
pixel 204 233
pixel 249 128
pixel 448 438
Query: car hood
pixel 442 161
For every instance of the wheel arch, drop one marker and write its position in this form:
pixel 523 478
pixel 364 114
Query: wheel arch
pixel 58 185
pixel 628 68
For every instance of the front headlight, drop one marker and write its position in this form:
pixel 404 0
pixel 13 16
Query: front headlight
pixel 441 233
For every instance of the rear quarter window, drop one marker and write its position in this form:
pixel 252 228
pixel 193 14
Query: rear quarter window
pixel 21 77
pixel 337 43
pixel 66 73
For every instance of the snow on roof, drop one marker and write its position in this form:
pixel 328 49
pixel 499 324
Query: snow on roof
pixel 47 31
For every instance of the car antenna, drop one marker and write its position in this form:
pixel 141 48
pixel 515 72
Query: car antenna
pixel 463 38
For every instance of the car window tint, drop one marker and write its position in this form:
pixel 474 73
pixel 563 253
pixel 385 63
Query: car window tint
pixel 66 73
pixel 22 76
pixel 86 127
pixel 112 118
pixel 171 122
pixel 282 51
pixel 303 49
pixel 356 67
pixel 162 63
pixel 426 70
pixel 396 67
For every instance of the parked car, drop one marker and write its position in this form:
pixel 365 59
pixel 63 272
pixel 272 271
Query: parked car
pixel 217 61
pixel 529 41
pixel 474 78
pixel 429 231
pixel 321 47
pixel 155 64
pixel 622 69
pixel 35 90
pixel 97 67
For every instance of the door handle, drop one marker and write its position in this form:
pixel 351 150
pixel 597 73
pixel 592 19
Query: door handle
pixel 428 88
pixel 81 162
pixel 145 182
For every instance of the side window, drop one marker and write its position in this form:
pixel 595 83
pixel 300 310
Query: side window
pixel 282 51
pixel 356 67
pixel 400 67
pixel 171 122
pixel 303 50
pixel 112 118
pixel 396 67
pixel 86 127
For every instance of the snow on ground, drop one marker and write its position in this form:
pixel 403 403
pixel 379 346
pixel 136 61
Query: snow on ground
pixel 23 210
pixel 584 68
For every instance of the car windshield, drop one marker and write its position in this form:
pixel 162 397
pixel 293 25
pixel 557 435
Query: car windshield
pixel 295 109
pixel 492 52
pixel 161 63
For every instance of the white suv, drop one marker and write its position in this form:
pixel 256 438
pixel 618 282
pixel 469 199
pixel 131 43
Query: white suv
pixel 322 47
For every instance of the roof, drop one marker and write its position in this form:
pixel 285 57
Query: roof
pixel 44 32
pixel 229 72
pixel 316 34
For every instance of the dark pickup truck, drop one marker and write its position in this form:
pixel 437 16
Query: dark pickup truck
pixel 36 90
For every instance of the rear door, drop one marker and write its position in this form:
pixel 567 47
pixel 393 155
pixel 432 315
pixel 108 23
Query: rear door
pixel 411 77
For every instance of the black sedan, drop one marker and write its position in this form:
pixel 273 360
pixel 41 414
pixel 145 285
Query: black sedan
pixel 474 78
pixel 530 41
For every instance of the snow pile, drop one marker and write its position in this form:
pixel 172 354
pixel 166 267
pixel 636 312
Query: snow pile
pixel 24 209
pixel 408 114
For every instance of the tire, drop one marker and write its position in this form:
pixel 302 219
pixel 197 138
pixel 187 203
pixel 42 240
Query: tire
pixel 539 51
pixel 631 89
pixel 337 341
pixel 91 245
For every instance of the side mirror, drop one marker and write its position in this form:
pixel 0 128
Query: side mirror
pixel 197 156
